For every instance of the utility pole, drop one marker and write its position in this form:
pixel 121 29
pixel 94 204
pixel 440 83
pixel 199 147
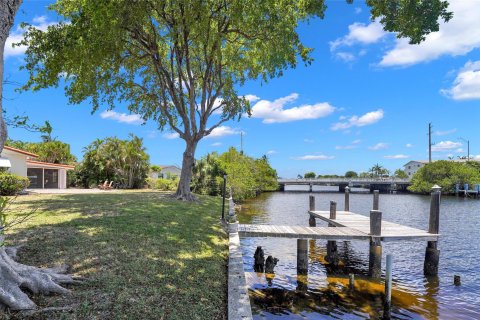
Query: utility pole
pixel 241 142
pixel 430 142
pixel 468 147
pixel 468 150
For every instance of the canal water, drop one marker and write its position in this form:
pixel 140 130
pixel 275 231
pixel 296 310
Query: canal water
pixel 324 293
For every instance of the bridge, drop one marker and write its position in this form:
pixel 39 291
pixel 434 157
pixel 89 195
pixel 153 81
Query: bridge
pixel 381 184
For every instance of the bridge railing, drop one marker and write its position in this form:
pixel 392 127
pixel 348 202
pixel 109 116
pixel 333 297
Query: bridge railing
pixel 345 180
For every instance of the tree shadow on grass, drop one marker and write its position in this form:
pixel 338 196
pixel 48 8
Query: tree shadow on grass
pixel 145 256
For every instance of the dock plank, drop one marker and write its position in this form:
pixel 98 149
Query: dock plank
pixel 340 233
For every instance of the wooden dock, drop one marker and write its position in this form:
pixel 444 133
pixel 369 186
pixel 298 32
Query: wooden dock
pixel 299 232
pixel 389 231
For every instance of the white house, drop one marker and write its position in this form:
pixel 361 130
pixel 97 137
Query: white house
pixel 42 175
pixel 412 166
pixel 167 171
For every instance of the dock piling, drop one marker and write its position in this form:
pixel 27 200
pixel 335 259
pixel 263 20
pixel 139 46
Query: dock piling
pixel 302 256
pixel 332 250
pixel 312 222
pixel 388 288
pixel 376 199
pixel 375 255
pixel 333 210
pixel 347 198
pixel 351 281
pixel 432 254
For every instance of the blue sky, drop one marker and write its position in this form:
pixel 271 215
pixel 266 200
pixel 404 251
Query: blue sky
pixel 367 98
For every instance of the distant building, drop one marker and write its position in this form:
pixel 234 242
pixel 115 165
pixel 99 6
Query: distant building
pixel 412 166
pixel 167 171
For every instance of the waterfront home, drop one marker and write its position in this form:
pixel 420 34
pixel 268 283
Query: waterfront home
pixel 42 175
pixel 412 166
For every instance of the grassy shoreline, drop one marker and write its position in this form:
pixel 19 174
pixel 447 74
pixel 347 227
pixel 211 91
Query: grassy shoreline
pixel 145 255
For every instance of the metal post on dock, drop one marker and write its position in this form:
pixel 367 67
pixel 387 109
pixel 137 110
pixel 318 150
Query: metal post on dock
pixel 347 198
pixel 432 254
pixel 388 288
pixel 375 255
pixel 376 199
pixel 312 221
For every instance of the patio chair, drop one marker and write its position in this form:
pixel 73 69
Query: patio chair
pixel 103 186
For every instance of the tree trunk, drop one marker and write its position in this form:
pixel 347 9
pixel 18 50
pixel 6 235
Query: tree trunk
pixel 183 190
pixel 8 9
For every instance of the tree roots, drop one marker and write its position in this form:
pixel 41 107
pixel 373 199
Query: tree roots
pixel 15 276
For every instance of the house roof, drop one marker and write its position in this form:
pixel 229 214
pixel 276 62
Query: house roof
pixel 41 164
pixel 419 161
pixel 20 151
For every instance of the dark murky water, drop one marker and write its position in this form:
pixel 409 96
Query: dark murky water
pixel 323 294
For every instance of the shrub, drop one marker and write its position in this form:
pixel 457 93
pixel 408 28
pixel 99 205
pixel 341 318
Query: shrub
pixel 11 184
pixel 444 173
pixel 162 184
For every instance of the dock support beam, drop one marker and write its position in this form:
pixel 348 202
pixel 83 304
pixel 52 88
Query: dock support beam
pixel 311 188
pixel 332 250
pixel 375 254
pixel 347 198
pixel 312 222
pixel 432 254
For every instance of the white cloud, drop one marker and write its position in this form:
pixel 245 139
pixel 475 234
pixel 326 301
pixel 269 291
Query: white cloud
pixel 270 152
pixel 446 146
pixel 348 147
pixel 251 98
pixel 274 112
pixel 171 135
pixel 345 56
pixel 360 33
pixel 314 157
pixel 397 156
pixel 216 144
pixel 353 145
pixel 356 121
pixel 16 36
pixel 122 117
pixel 358 10
pixel 308 141
pixel 379 146
pixel 457 37
pixel 223 131
pixel 466 85
pixel 409 145
pixel 444 133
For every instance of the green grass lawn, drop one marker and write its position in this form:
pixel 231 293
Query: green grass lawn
pixel 144 255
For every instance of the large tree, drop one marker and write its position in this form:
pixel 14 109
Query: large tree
pixel 15 276
pixel 181 62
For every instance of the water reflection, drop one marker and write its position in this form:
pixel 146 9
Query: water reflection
pixel 324 292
